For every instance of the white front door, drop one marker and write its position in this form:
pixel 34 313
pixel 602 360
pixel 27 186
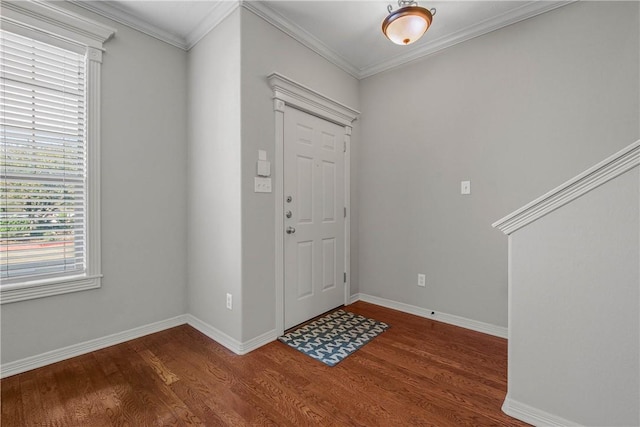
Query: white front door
pixel 314 224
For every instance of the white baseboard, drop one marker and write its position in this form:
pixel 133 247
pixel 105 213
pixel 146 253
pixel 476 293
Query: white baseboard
pixel 354 298
pixel 532 415
pixel 33 362
pixel 40 360
pixel 474 325
pixel 215 334
pixel 231 343
pixel 258 341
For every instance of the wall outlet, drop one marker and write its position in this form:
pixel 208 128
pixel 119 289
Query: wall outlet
pixel 229 301
pixel 422 280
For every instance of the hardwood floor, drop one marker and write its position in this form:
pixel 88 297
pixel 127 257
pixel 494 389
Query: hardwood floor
pixel 417 373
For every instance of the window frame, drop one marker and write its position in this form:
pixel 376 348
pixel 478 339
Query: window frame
pixel 53 25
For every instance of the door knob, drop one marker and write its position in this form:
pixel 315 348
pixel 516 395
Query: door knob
pixel 288 214
pixel 291 230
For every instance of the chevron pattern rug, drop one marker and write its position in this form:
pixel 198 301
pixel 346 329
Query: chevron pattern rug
pixel 334 336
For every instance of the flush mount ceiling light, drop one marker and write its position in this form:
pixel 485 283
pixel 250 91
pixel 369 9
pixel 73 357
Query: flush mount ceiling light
pixel 408 23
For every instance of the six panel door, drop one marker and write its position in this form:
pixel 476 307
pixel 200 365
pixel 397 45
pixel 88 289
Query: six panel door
pixel 314 224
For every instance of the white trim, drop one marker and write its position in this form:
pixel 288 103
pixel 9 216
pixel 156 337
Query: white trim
pixel 33 362
pixel 532 415
pixel 257 342
pixel 474 325
pixel 278 108
pixel 218 12
pixel 347 217
pixel 94 175
pixel 287 92
pixel 299 34
pixel 44 17
pixel 46 288
pixel 54 356
pixel 303 98
pixel 222 9
pixel 214 333
pixel 111 11
pixel 41 19
pixel 527 10
pixel 230 343
pixel 608 169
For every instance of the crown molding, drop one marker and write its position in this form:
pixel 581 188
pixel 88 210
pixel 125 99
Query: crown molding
pixel 300 34
pixel 610 168
pixel 213 18
pixel 528 10
pixel 224 8
pixel 109 10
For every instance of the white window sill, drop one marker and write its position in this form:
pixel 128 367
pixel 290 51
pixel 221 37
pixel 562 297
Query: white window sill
pixel 47 288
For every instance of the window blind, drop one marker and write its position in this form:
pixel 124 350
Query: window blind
pixel 43 161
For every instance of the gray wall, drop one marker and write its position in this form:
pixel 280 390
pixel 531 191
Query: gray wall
pixel 231 228
pixel 214 159
pixel 265 49
pixel 574 348
pixel 144 170
pixel 517 111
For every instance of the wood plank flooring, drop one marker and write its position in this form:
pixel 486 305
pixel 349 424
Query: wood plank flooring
pixel 417 373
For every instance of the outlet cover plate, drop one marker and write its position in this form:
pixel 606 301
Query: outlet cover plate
pixel 422 280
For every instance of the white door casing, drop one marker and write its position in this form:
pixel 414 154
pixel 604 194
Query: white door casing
pixel 314 203
pixel 287 93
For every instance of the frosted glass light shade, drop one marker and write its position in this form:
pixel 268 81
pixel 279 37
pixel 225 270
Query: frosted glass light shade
pixel 407 24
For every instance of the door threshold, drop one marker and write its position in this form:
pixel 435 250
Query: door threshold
pixel 299 325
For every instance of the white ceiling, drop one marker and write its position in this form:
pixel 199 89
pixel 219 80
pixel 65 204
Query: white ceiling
pixel 345 32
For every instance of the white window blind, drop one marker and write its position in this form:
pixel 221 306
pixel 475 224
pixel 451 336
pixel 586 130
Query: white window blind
pixel 43 165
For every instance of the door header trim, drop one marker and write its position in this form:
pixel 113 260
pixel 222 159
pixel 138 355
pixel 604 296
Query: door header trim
pixel 294 94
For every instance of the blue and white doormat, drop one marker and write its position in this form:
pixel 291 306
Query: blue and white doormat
pixel 333 337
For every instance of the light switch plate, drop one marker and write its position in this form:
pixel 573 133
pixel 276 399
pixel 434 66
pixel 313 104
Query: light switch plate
pixel 264 168
pixel 262 185
pixel 465 187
